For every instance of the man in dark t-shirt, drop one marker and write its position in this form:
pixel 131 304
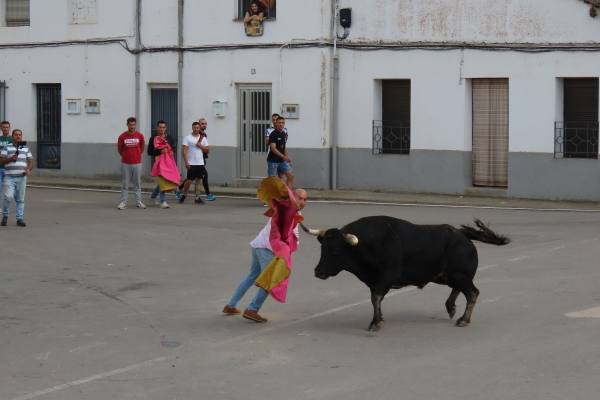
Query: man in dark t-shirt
pixel 278 162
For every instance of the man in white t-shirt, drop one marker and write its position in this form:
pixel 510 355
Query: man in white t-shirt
pixel 193 148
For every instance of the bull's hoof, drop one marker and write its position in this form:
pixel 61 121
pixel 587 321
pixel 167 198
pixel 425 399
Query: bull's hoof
pixel 451 311
pixel 462 322
pixel 374 327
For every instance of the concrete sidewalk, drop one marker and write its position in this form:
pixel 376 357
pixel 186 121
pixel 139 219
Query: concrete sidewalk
pixel 340 195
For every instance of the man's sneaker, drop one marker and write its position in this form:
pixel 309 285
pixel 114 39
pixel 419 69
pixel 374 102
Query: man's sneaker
pixel 253 316
pixel 177 194
pixel 140 205
pixel 122 205
pixel 181 198
pixel 210 197
pixel 164 204
pixel 4 221
pixel 20 222
pixel 228 310
pixel 199 200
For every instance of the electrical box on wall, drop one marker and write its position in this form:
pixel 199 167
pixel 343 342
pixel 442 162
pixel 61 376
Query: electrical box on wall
pixel 291 111
pixel 346 17
pixel 92 106
pixel 219 108
pixel 73 106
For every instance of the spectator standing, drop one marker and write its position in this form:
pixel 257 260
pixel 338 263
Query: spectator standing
pixel 18 163
pixel 130 146
pixel 164 167
pixel 195 146
pixel 253 20
pixel 5 140
pixel 278 161
pixel 160 125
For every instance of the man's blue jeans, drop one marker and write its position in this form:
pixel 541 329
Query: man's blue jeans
pixel 14 188
pixel 260 259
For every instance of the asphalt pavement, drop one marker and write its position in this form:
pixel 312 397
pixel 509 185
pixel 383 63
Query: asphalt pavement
pixel 98 303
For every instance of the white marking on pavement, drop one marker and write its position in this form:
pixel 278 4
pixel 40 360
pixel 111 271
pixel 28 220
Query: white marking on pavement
pixel 593 312
pixel 43 356
pixel 518 258
pixel 89 379
pixel 86 347
pixel 360 202
pixel 491 300
pixel 558 247
pixel 487 267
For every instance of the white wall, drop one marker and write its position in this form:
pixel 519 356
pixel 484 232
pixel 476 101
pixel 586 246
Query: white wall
pixel 439 98
pixel 83 72
pixel 49 21
pixel 499 21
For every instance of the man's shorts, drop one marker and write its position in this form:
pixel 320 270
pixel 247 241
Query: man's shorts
pixel 196 172
pixel 276 168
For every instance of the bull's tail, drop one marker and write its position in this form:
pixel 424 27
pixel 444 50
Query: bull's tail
pixel 483 234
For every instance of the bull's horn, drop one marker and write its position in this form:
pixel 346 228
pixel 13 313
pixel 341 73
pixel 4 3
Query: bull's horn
pixel 351 239
pixel 314 232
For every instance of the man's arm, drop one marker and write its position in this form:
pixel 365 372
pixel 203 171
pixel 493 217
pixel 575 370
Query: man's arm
pixel 278 153
pixel 142 144
pixel 204 148
pixel 120 146
pixel 29 167
pixel 184 154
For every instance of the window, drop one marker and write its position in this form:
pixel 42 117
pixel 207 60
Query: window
pixel 391 134
pixel 268 7
pixel 576 136
pixel 17 12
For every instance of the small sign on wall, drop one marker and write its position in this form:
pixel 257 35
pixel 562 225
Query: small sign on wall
pixel 290 111
pixel 73 106
pixel 82 12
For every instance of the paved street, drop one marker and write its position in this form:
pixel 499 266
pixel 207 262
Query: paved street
pixel 97 304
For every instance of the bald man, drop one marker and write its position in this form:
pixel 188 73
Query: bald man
pixel 262 254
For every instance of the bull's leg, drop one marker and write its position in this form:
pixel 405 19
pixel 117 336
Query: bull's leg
pixel 471 293
pixel 376 299
pixel 451 302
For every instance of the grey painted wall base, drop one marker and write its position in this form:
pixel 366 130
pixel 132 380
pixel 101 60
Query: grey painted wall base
pixel 531 175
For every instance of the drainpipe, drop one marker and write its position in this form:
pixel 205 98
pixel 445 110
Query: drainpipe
pixel 138 47
pixel 334 89
pixel 180 128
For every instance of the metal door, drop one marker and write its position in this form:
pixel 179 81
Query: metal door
pixel 490 132
pixel 48 126
pixel 254 103
pixel 163 106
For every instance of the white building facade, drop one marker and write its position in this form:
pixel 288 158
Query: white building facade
pixel 473 96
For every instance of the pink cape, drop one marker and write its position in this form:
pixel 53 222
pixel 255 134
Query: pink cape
pixel 164 165
pixel 282 238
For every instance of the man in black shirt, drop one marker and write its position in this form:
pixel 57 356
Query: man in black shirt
pixel 278 162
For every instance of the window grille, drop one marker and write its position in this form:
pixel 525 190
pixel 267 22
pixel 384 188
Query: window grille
pixel 574 139
pixel 17 12
pixel 391 137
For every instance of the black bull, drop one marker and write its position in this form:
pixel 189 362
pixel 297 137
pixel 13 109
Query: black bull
pixel 389 253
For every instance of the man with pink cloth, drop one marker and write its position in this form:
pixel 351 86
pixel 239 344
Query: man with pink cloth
pixel 272 248
pixel 164 166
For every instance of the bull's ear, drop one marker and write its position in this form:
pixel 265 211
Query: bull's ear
pixel 351 239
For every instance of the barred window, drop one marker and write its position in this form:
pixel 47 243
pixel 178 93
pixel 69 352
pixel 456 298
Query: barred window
pixel 576 136
pixel 17 12
pixel 268 8
pixel 392 133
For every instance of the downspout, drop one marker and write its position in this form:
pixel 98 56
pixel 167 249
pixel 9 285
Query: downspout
pixel 334 77
pixel 180 79
pixel 138 47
